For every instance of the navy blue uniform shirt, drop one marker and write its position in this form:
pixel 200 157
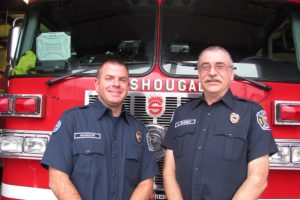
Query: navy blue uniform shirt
pixel 105 157
pixel 212 145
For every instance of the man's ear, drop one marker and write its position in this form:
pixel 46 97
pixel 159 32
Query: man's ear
pixel 232 75
pixel 96 84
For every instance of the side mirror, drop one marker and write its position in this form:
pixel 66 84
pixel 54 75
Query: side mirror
pixel 14 34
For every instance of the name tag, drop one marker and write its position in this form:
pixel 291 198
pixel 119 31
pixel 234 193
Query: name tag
pixel 185 122
pixel 85 135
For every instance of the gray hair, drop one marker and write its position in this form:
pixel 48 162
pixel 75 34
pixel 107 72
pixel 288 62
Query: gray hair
pixel 217 48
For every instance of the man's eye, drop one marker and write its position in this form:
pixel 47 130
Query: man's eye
pixel 205 67
pixel 220 67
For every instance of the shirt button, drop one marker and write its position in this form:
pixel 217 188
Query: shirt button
pixel 204 130
pixel 196 168
pixel 114 156
pixel 200 147
pixel 208 114
pixel 87 151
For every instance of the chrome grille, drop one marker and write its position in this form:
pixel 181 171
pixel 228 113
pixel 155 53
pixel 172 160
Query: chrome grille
pixel 135 103
pixel 158 180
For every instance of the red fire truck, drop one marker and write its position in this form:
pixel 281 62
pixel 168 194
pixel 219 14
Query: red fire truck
pixel 55 53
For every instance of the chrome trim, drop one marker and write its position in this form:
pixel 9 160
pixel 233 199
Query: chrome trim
pixel 23 134
pixel 276 117
pixel 289 143
pixel 40 103
pixel 89 93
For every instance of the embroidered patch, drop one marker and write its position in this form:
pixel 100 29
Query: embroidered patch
pixel 57 126
pixel 185 122
pixel 262 120
pixel 87 135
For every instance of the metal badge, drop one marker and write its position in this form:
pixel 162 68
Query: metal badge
pixel 234 118
pixel 138 136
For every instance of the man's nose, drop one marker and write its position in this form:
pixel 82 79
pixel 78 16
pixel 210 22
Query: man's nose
pixel 116 82
pixel 212 71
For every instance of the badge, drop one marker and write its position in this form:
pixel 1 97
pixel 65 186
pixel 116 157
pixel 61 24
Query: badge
pixel 234 118
pixel 262 120
pixel 138 136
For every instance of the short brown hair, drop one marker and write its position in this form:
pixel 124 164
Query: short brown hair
pixel 113 61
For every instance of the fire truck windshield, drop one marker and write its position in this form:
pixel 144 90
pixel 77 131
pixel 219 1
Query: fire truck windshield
pixel 89 35
pixel 258 34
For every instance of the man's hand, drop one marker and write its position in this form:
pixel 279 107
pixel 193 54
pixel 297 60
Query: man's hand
pixel 61 185
pixel 170 183
pixel 256 181
pixel 143 191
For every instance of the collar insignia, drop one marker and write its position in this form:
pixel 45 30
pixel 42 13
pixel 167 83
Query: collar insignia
pixel 138 136
pixel 234 118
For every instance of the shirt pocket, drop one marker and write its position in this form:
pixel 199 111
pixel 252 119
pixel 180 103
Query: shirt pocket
pixel 133 163
pixel 88 157
pixel 184 138
pixel 229 145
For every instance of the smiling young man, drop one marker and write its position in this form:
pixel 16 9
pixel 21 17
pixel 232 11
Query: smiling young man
pixel 100 151
pixel 218 146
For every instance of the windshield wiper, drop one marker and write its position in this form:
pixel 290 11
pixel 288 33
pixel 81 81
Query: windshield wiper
pixel 57 79
pixel 258 84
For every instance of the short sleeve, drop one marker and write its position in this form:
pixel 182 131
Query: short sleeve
pixel 168 140
pixel 58 153
pixel 261 141
pixel 149 164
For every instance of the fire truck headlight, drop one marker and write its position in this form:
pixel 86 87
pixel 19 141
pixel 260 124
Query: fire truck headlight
pixel 35 145
pixel 296 155
pixel 11 144
pixel 282 156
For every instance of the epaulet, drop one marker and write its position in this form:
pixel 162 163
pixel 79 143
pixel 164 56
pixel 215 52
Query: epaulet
pixel 74 109
pixel 82 107
pixel 246 100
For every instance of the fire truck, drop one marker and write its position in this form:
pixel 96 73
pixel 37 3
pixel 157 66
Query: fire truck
pixel 58 45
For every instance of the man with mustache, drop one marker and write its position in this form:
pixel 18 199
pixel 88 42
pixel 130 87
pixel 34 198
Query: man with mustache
pixel 218 146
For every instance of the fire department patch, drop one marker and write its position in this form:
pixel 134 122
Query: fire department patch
pixel 262 120
pixel 57 126
pixel 138 136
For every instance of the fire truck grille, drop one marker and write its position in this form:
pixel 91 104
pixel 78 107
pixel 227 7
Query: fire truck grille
pixel 136 104
pixel 158 179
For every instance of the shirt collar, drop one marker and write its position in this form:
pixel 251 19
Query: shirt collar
pixel 228 99
pixel 100 110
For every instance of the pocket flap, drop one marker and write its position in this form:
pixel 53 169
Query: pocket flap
pixel 134 151
pixel 88 146
pixel 231 135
